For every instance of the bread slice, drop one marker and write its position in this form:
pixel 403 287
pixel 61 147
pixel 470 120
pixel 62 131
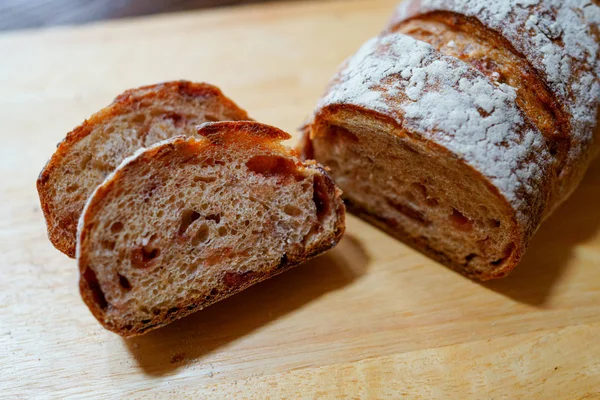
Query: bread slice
pixel 137 118
pixel 189 221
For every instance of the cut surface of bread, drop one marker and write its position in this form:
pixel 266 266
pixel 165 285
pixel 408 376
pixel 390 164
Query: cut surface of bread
pixel 188 222
pixel 419 193
pixel 137 118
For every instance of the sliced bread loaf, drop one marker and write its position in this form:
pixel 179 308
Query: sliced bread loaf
pixel 188 222
pixel 465 124
pixel 137 118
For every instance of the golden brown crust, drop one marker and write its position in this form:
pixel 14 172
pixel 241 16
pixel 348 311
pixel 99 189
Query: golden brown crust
pixel 216 133
pixel 223 135
pixel 62 226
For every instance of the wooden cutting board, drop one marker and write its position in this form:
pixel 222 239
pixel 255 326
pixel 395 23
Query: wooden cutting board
pixel 372 318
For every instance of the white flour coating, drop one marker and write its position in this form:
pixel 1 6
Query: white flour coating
pixel 555 36
pixel 451 103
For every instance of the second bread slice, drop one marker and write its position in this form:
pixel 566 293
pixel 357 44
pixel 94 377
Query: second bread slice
pixel 189 222
pixel 137 118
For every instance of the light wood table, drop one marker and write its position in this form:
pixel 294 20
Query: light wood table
pixel 20 14
pixel 372 318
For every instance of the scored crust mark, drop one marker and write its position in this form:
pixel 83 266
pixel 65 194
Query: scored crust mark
pixel 137 118
pixel 469 40
pixel 213 237
pixel 561 40
pixel 558 37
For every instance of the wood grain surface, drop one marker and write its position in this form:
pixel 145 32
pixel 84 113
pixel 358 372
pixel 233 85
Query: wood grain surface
pixel 370 319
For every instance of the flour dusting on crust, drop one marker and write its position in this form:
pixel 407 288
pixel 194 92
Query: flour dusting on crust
pixel 559 38
pixel 448 102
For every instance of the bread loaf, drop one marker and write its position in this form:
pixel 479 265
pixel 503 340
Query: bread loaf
pixel 465 124
pixel 137 118
pixel 188 222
